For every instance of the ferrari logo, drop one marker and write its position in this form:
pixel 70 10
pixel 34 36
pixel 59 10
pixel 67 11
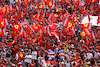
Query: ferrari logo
pixel 83 34
pixel 57 10
pixel 16 0
pixel 64 15
pixel 55 15
pixel 53 33
pixel 50 4
pixel 85 25
pixel 41 6
pixel 45 0
pixel 93 0
pixel 2 23
pixel 3 9
pixel 16 26
pixel 26 2
pixel 69 24
pixel 13 42
pixel 36 27
pixel 34 16
pixel 21 55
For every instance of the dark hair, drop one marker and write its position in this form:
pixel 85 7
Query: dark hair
pixel 74 64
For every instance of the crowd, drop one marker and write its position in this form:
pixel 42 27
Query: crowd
pixel 49 33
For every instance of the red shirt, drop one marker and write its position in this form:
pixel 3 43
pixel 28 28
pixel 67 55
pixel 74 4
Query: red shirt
pixel 33 65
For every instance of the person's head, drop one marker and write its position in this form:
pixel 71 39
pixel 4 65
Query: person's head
pixel 33 61
pixel 29 51
pixel 3 57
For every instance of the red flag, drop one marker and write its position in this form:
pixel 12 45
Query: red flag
pixel 72 31
pixel 89 18
pixel 41 6
pixel 50 3
pixel 2 32
pixel 83 11
pixel 12 42
pixel 56 15
pixel 45 1
pixel 35 28
pixel 4 9
pixel 29 32
pixel 92 12
pixel 53 17
pixel 93 1
pixel 33 41
pixel 48 14
pixel 14 33
pixel 68 24
pixel 1 16
pixel 36 16
pixel 90 40
pixel 65 30
pixel 86 25
pixel 98 20
pixel 92 34
pixel 18 1
pixel 3 23
pixel 25 24
pixel 22 34
pixel 75 19
pixel 91 37
pixel 10 9
pixel 16 27
pixel 66 14
pixel 10 19
pixel 84 33
pixel 53 26
pixel 52 33
pixel 25 2
pixel 76 2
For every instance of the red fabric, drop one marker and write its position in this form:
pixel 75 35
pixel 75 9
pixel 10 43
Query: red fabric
pixel 33 64
pixel 3 23
pixel 25 2
pixel 2 32
pixel 16 26
pixel 86 25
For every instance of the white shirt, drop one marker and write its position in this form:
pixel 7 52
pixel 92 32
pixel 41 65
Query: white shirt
pixel 89 55
pixel 11 1
pixel 16 56
pixel 3 54
pixel 67 56
pixel 39 59
pixel 43 63
pixel 34 55
pixel 28 58
pixel 67 64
